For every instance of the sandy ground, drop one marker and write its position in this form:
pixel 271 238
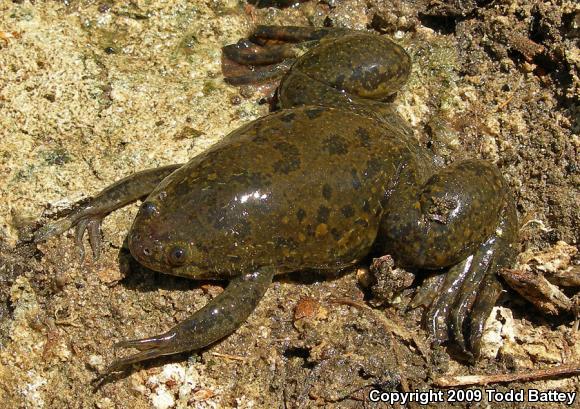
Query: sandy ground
pixel 93 91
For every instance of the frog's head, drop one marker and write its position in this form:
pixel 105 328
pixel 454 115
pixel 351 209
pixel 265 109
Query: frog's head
pixel 159 240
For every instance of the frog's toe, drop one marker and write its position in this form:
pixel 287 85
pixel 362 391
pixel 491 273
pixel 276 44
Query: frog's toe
pixel 245 63
pixel 122 363
pixel 489 292
pixel 149 348
pixel 248 53
pixel 83 220
pixel 466 297
pixel 92 225
pixel 428 291
pixel 479 265
pixel 436 317
pixel 52 229
pixel 269 52
pixel 237 74
pixel 294 33
pixel 145 344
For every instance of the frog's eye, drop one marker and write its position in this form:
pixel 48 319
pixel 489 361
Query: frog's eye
pixel 148 208
pixel 177 256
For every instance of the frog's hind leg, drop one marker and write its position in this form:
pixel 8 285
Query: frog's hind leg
pixel 88 217
pixel 219 318
pixel 468 293
pixel 471 288
pixel 464 219
pixel 269 52
pixel 504 252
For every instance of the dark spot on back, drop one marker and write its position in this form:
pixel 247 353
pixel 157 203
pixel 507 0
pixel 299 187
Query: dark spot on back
pixel 335 233
pixel 300 214
pixel 286 148
pixel 323 213
pixel 373 167
pixel 284 242
pixel 347 211
pixel 363 137
pixel 290 158
pixel 260 139
pixel 335 145
pixel 314 112
pixel 326 191
pixel 287 165
pixel 355 179
pixel 254 179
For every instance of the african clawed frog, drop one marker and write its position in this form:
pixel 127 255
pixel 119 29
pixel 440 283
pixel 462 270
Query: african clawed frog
pixel 330 177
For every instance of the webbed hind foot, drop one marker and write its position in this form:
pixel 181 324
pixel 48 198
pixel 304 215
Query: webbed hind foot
pixel 269 52
pixel 460 303
pixel 219 318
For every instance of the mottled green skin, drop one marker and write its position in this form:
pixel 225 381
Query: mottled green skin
pixel 298 189
pixel 332 176
pixel 301 188
pixel 441 223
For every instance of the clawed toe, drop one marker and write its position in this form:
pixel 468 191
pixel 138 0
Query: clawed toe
pixel 245 52
pixel 461 301
pixel 269 52
pixel 144 344
pixel 52 229
pixel 122 363
pixel 151 347
pixel 92 225
pixel 82 222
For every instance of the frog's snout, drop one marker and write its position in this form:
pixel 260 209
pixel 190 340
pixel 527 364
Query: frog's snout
pixel 144 248
pixel 139 249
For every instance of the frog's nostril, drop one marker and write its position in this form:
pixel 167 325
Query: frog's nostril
pixel 148 208
pixel 146 251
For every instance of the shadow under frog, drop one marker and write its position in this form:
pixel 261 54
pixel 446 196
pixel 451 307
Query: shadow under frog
pixel 329 178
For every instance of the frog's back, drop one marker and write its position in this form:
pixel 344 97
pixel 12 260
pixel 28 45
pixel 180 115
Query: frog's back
pixel 301 188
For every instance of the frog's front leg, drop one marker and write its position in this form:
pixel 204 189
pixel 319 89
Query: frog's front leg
pixel 88 217
pixel 463 217
pixel 220 317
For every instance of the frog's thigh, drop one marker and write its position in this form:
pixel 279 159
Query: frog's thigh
pixel 220 317
pixel 464 218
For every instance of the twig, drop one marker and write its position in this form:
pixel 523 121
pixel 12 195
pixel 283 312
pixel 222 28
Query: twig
pixel 404 384
pixel 228 356
pixel 560 370
pixel 388 323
